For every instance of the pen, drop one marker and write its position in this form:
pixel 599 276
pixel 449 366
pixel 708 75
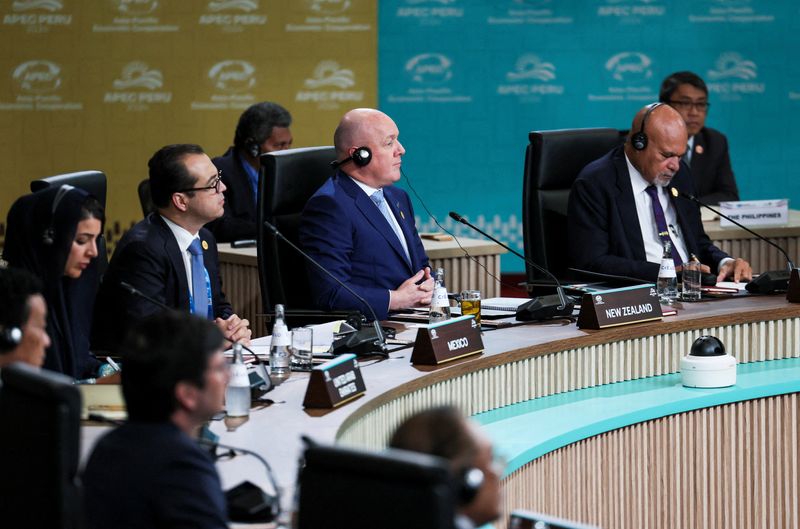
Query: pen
pixel 113 364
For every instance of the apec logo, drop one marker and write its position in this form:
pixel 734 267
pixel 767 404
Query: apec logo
pixel 136 7
pixel 429 68
pixel 328 7
pixel 734 76
pixel 137 75
pixel 530 66
pixel 731 65
pixel 37 77
pixel 224 5
pixel 630 66
pixel 232 76
pixel 328 73
pixel 20 6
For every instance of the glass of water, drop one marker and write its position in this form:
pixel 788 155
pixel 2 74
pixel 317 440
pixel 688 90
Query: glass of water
pixel 302 349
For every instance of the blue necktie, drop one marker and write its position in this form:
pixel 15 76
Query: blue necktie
pixel 199 281
pixel 661 224
pixel 377 198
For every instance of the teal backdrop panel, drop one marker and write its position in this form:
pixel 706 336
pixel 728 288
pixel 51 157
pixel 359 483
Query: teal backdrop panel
pixel 466 80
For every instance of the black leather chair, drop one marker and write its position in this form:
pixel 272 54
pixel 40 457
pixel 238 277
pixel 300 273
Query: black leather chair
pixel 286 182
pixel 93 182
pixel 553 160
pixel 145 198
pixel 39 449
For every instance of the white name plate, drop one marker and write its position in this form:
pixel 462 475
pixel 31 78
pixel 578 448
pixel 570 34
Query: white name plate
pixel 755 212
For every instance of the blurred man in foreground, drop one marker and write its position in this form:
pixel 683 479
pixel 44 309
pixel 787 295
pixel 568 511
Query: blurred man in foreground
pixel 150 472
pixel 23 318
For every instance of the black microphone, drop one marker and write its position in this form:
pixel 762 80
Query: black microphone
pixel 540 308
pixel 767 282
pixel 362 339
pixel 136 292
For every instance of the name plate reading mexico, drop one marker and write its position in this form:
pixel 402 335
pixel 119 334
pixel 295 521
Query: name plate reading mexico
pixel 620 306
pixel 334 383
pixel 447 341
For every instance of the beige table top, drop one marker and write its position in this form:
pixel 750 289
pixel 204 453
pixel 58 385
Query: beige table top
pixel 434 249
pixel 716 233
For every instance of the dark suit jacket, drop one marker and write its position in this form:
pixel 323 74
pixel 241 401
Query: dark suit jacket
pixel 152 475
pixel 239 220
pixel 148 258
pixel 604 233
pixel 711 168
pixel 345 232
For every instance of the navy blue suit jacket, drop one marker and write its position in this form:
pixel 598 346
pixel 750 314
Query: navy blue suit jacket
pixel 345 232
pixel 152 475
pixel 239 220
pixel 148 257
pixel 604 233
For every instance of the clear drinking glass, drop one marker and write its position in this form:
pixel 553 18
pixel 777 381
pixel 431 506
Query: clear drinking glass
pixel 471 304
pixel 302 349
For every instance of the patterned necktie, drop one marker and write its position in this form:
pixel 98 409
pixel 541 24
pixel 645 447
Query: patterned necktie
pixel 377 198
pixel 199 281
pixel 661 223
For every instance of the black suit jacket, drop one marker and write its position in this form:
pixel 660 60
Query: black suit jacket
pixel 711 168
pixel 152 475
pixel 239 220
pixel 604 233
pixel 148 257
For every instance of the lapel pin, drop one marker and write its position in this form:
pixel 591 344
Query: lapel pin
pixel 698 149
pixel 204 244
pixel 402 216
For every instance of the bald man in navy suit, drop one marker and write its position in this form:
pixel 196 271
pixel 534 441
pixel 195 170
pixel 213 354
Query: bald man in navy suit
pixel 361 228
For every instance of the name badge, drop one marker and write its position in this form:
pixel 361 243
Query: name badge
pixel 620 306
pixel 446 341
pixel 334 383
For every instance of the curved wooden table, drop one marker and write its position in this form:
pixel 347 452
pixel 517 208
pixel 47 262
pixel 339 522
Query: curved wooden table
pixel 519 364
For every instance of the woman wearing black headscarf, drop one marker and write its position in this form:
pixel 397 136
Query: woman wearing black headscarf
pixel 53 234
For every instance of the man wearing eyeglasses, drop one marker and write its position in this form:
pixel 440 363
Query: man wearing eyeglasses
pixel 707 149
pixel 169 256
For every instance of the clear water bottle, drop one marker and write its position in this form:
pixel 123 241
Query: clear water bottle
pixel 440 304
pixel 237 394
pixel 667 285
pixel 279 354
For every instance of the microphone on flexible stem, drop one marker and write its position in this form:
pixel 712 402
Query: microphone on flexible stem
pixel 540 308
pixel 260 382
pixel 767 282
pixel 363 341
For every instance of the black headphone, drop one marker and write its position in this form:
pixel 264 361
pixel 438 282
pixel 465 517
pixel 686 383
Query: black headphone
pixel 10 338
pixel 468 482
pixel 252 147
pixel 49 234
pixel 639 140
pixel 360 157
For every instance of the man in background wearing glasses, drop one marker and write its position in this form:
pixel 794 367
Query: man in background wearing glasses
pixel 169 256
pixel 707 149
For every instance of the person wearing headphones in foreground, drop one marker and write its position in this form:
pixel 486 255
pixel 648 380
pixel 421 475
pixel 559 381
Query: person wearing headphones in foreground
pixel 444 432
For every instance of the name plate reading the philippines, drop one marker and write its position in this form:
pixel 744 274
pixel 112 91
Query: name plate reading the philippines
pixel 755 213
pixel 447 341
pixel 620 306
pixel 334 383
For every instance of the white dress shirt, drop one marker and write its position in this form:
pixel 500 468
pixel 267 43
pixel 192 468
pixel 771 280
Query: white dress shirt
pixel 184 239
pixel 653 247
pixel 370 191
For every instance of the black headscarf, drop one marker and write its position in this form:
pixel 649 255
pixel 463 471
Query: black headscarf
pixel 39 233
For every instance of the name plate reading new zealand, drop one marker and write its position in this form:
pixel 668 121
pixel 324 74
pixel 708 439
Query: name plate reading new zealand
pixel 447 341
pixel 620 306
pixel 334 383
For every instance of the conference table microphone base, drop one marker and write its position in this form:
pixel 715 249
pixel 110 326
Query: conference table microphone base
pixel 544 308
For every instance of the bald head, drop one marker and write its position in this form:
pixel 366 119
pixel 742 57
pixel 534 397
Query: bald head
pixel 666 143
pixel 370 128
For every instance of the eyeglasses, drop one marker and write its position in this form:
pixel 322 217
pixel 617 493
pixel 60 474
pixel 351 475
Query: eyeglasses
pixel 700 106
pixel 214 185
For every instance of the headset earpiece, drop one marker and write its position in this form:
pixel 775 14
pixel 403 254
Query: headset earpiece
pixel 253 148
pixel 361 156
pixel 10 338
pixel 639 140
pixel 468 482
pixel 48 236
